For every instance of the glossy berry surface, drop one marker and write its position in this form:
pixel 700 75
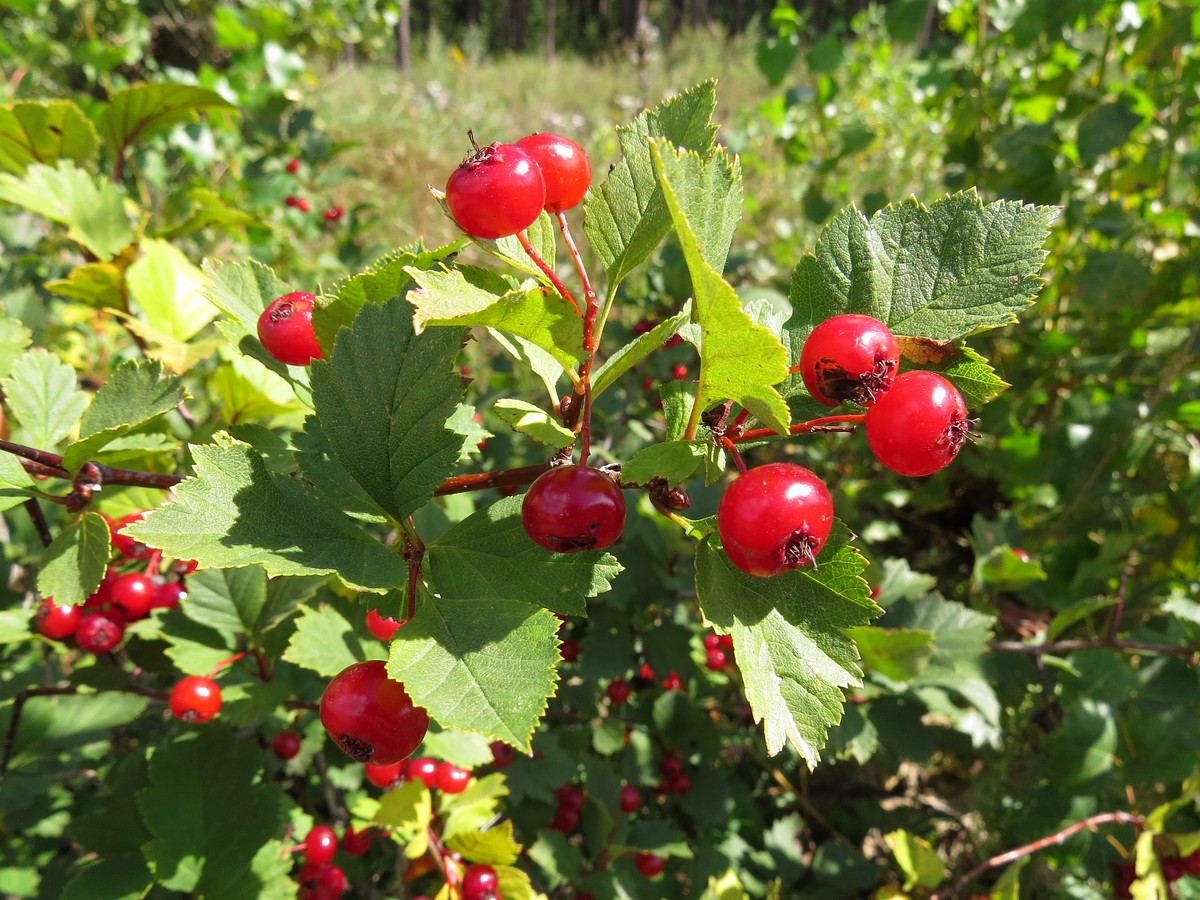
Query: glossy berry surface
pixel 849 357
pixel 479 882
pixel 57 620
pixel 919 425
pixel 496 191
pixel 383 627
pixel 132 596
pixel 649 864
pixel 99 632
pixel 774 518
pixel 286 745
pixel 320 845
pixel 385 776
pixel 370 716
pixel 286 329
pixel 565 167
pixel 573 508
pixel 451 779
pixel 424 769
pixel 716 659
pixel 195 699
pixel 167 595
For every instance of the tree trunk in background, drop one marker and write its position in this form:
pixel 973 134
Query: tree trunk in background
pixel 469 12
pixel 518 21
pixel 551 10
pixel 700 14
pixel 404 39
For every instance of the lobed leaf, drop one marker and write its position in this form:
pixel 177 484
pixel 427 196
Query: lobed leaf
pixel 144 110
pixel 41 391
pixel 324 642
pixel 44 131
pixel 93 210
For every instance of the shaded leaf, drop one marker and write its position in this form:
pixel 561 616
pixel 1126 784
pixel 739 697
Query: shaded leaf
pixel 44 131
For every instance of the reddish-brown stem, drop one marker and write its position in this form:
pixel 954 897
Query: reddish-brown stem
pixel 729 447
pixel 225 662
pixel 547 271
pixel 848 419
pixel 106 475
pixel 414 552
pixel 581 412
pixel 1056 647
pixel 1052 840
pixel 479 481
pixel 39 521
pixel 734 428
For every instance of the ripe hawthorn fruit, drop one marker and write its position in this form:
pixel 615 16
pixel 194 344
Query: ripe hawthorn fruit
pixel 99 632
pixel 385 776
pixel 132 596
pixel 480 882
pixel 320 845
pixel 425 769
pixel 573 508
pixel 631 799
pixel 649 864
pixel 285 329
pixel 849 357
pixel 919 425
pixel 195 699
pixel 383 627
pixel 370 716
pixel 496 191
pixel 286 745
pixel 565 167
pixel 128 547
pixel 357 843
pixel 167 595
pixel 57 621
pixel 502 754
pixel 451 779
pixel 618 691
pixel 773 518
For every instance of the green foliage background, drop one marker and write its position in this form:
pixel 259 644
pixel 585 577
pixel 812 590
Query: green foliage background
pixel 965 738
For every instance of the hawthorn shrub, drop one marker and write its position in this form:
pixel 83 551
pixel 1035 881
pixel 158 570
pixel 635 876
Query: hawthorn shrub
pixel 563 665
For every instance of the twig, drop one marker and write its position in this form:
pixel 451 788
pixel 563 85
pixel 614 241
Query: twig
pixel 39 520
pixel 478 481
pixel 1058 838
pixel 547 271
pixel 105 474
pixel 1056 647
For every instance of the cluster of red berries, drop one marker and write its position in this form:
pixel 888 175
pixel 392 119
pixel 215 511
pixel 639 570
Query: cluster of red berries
pixel 319 877
pixel 300 204
pixel 717 650
pixel 1173 869
pixel 571 799
pixel 501 189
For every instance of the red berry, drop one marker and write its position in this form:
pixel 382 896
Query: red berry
pixel 320 846
pixel 383 627
pixel 293 166
pixel 919 425
pixel 716 659
pixel 128 547
pixel 321 881
pixel 649 864
pixel 131 596
pixel 569 651
pixel 425 769
pixel 570 797
pixel 195 699
pixel 618 691
pixel 286 330
pixel 631 799
pixel 1191 863
pixel 573 508
pixel 334 213
pixel 774 518
pixel 291 201
pixel 286 745
pixel 642 326
pixel 725 641
pixel 712 641
pixel 480 882
pixel 385 776
pixel 58 620
pixel 100 599
pixel 370 716
pixel 1021 554
pixel 303 205
pixel 565 820
pixel 357 843
pixel 496 192
pixel 670 767
pixel 99 632
pixel 1172 868
pixel 502 754
pixel 450 779
pixel 672 682
pixel 167 595
pixel 565 167
pixel 849 357
pixel 680 372
pixel 680 784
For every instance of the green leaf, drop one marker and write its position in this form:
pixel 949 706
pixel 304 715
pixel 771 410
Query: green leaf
pixel 482 665
pixel 242 291
pixel 44 131
pixel 676 461
pixel 208 827
pixel 324 642
pixel 249 392
pixel 626 217
pixel 327 474
pixel 16 485
pixel 134 393
pixel 475 807
pixel 917 858
pixel 463 423
pixel 208 210
pixel 1104 128
pixel 496 846
pixel 14 338
pixel 408 810
pixel 233 512
pixel 92 210
pixel 229 601
pixel 42 393
pixel 638 349
pixel 533 421
pixel 708 193
pixel 144 110
pixel 488 556
pixel 542 236
pixel 52 724
pixel 98 284
pixel 383 400
pixel 386 279
pixel 467 296
pixel 74 563
pixel 789 637
pixel 739 359
pixel 169 291
pixel 899 654
pixel 940 271
pixel 971 374
pixel 121 877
